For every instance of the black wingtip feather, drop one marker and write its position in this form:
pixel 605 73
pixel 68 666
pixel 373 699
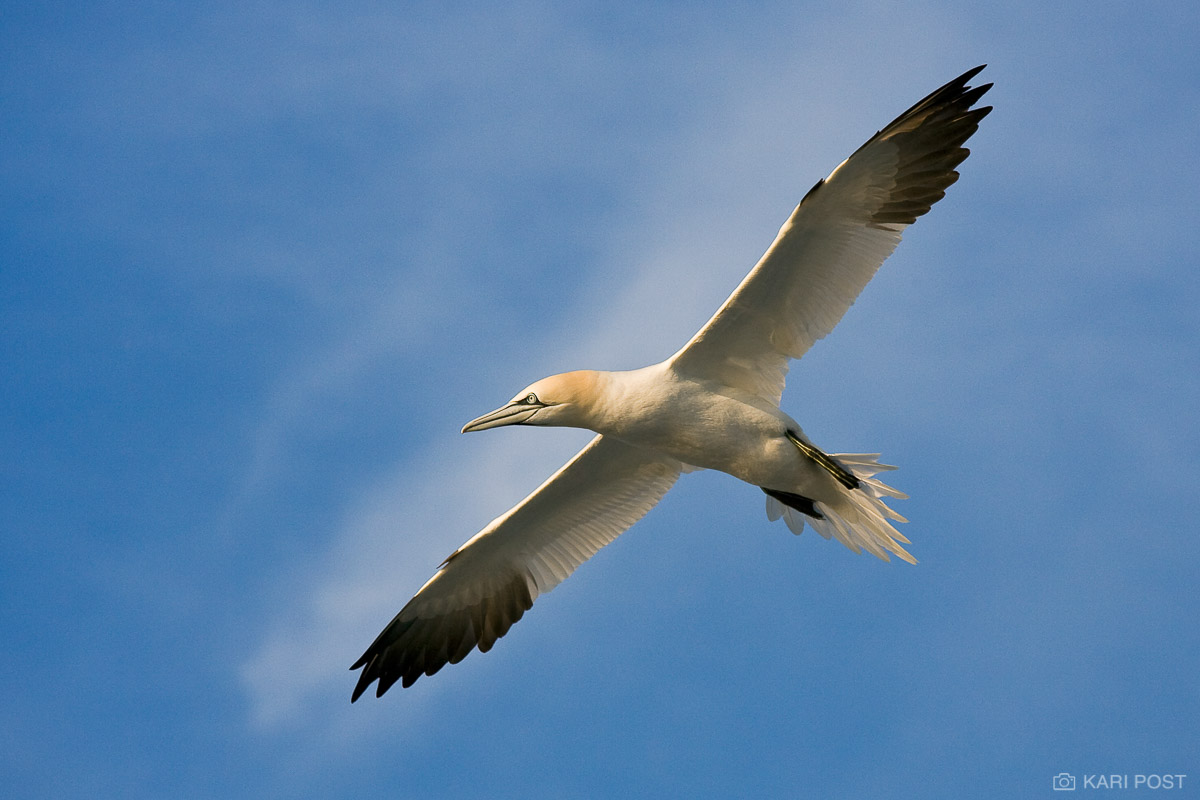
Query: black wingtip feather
pixel 416 646
pixel 948 109
pixel 930 137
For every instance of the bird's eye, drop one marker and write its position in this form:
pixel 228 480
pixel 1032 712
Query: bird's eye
pixel 531 399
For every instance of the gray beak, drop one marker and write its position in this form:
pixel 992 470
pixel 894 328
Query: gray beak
pixel 514 413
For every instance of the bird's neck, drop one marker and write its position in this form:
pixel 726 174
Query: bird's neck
pixel 612 399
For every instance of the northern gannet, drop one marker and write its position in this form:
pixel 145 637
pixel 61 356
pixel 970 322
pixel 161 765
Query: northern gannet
pixel 712 405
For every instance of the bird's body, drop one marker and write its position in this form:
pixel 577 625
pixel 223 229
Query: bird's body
pixel 713 405
pixel 704 425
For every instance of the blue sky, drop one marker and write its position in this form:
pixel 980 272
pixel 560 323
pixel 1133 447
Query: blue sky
pixel 261 262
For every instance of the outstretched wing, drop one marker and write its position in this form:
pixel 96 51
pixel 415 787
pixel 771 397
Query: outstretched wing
pixel 488 583
pixel 833 244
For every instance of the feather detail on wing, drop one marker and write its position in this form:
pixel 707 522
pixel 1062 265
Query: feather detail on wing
pixel 488 583
pixel 833 244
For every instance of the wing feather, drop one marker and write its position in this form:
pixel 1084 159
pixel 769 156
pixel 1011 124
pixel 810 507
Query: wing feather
pixel 487 584
pixel 833 244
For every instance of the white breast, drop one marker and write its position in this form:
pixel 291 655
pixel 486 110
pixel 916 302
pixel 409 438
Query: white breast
pixel 702 424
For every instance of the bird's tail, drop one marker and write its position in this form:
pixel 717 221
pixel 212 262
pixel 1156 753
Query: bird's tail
pixel 860 518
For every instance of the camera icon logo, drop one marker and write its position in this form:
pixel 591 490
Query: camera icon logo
pixel 1063 782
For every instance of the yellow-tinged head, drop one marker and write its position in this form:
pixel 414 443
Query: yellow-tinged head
pixel 566 399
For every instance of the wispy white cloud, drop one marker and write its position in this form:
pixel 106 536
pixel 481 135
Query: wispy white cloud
pixel 696 216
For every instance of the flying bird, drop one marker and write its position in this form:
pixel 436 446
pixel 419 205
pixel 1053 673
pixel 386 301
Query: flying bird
pixel 712 405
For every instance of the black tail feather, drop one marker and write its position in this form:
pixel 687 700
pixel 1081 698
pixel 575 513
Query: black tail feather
pixel 799 502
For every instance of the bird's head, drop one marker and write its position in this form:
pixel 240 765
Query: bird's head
pixel 564 400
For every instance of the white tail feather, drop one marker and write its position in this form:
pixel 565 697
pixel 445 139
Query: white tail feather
pixel 859 519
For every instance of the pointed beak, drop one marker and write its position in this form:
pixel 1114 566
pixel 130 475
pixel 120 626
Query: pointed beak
pixel 514 413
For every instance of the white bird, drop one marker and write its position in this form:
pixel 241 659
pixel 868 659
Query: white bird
pixel 712 405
